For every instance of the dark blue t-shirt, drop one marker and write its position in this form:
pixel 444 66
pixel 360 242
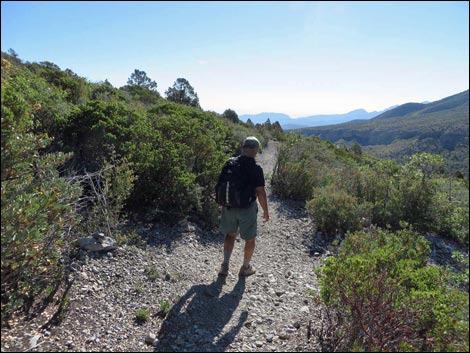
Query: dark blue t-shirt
pixel 255 172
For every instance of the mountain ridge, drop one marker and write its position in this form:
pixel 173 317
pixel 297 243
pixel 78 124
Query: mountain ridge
pixel 438 127
pixel 289 123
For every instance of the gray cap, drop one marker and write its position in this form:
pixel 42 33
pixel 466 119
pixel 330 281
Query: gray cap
pixel 252 142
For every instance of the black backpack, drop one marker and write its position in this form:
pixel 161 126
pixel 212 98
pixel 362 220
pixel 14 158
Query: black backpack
pixel 233 188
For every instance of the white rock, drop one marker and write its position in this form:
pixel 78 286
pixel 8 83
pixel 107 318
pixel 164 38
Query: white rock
pixel 150 339
pixel 33 341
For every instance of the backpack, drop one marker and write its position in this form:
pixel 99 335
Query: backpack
pixel 233 187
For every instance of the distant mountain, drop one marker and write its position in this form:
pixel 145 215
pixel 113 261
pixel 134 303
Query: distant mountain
pixel 289 123
pixel 438 127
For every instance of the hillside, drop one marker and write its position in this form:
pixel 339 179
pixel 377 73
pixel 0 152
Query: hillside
pixel 439 127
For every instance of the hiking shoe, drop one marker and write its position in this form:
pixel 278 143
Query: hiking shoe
pixel 246 271
pixel 223 270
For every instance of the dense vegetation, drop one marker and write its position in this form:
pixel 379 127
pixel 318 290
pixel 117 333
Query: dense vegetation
pixel 78 156
pixel 439 127
pixel 380 292
pixel 346 190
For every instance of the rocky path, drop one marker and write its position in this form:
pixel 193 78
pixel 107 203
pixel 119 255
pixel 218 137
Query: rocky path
pixel 172 276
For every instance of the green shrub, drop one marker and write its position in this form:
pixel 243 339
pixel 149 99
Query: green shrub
pixel 99 131
pixel 176 160
pixel 152 273
pixel 240 132
pixel 74 87
pixel 49 108
pixel 129 237
pixel 165 307
pixel 388 298
pixel 335 211
pixel 142 315
pixel 37 204
pixel 305 163
pixel 450 210
pixel 142 94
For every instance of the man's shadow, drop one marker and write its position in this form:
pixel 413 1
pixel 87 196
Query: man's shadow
pixel 196 322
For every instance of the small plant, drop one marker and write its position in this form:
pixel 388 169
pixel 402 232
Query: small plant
pixel 178 276
pixel 152 273
pixel 174 277
pixel 142 315
pixel 139 288
pixel 164 307
pixel 314 296
pixel 129 238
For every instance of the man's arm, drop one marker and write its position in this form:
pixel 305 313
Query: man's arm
pixel 263 201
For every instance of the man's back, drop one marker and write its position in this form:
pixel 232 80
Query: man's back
pixel 237 183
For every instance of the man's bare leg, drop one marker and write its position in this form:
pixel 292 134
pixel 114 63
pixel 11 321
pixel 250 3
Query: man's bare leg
pixel 228 248
pixel 249 249
pixel 247 269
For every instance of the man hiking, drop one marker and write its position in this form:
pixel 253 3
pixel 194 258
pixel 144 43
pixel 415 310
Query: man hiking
pixel 240 183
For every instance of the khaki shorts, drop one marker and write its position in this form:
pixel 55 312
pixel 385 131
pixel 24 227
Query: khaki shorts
pixel 243 220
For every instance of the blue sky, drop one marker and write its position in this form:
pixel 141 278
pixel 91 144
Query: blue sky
pixel 298 58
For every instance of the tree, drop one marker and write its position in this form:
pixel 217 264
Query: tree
pixel 12 56
pixel 230 115
pixel 13 53
pixel 277 130
pixel 182 92
pixel 49 65
pixel 142 88
pixel 356 149
pixel 140 78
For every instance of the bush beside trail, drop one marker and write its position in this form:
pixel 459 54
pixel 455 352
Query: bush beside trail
pixel 379 291
pixel 384 296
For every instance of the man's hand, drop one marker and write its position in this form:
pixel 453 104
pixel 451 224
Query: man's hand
pixel 265 217
pixel 263 201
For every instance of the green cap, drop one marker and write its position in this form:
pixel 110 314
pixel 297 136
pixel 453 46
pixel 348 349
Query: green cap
pixel 252 142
